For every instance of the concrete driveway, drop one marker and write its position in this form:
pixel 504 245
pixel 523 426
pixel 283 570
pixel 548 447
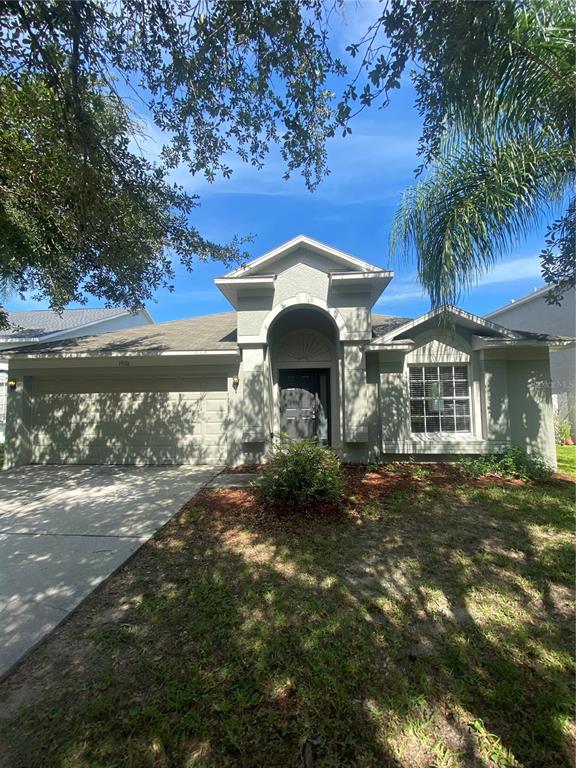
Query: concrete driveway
pixel 63 530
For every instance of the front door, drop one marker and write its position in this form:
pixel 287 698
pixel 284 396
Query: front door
pixel 305 403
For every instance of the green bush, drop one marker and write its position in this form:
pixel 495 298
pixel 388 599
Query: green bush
pixel 300 475
pixel 562 430
pixel 512 462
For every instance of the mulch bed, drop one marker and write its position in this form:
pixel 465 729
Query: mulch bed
pixel 361 487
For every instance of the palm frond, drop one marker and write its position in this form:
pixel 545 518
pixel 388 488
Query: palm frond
pixel 475 204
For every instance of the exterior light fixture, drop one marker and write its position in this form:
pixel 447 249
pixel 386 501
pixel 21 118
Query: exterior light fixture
pixel 12 384
pixel 235 383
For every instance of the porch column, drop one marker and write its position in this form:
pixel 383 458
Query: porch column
pixel 255 427
pixel 18 449
pixel 354 394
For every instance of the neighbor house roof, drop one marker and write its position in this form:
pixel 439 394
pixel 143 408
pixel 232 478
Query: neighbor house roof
pixel 210 333
pixel 536 293
pixel 35 324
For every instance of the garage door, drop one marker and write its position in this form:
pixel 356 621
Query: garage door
pixel 129 419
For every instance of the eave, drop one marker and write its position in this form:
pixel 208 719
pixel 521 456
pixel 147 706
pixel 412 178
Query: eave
pixel 17 354
pixel 374 281
pixel 257 285
pixel 313 245
pixel 397 345
pixel 486 342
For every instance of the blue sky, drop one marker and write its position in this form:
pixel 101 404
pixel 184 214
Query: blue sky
pixel 351 210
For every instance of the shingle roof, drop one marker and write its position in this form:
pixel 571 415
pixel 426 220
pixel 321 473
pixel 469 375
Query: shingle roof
pixel 382 324
pixel 194 334
pixel 40 322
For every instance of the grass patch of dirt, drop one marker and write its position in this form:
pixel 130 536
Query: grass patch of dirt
pixel 427 623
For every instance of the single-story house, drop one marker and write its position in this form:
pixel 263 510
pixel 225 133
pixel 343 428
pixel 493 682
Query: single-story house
pixel 39 325
pixel 303 354
pixel 533 313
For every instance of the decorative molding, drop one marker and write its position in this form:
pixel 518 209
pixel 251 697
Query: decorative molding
pixel 304 346
pixel 300 300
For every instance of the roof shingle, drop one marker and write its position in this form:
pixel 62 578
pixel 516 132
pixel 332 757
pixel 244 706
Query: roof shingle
pixel 41 322
pixel 195 334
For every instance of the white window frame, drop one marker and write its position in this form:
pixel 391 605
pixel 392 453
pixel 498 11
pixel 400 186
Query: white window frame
pixel 439 432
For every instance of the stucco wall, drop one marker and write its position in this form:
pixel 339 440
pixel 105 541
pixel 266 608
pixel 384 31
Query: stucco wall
pixel 303 273
pixel 499 419
pixel 530 406
pixel 538 316
pixel 303 298
pixel 497 422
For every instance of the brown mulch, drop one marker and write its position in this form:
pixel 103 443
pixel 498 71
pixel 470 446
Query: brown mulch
pixel 563 476
pixel 361 486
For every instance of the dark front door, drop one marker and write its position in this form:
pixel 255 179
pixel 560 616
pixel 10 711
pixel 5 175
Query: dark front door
pixel 305 403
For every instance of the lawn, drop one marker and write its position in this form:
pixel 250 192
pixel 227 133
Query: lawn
pixel 566 456
pixel 429 624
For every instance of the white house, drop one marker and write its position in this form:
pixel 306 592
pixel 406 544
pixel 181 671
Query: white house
pixel 533 313
pixel 33 326
pixel 301 353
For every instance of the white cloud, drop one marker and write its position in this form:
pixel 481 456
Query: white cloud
pixel 513 271
pixel 387 298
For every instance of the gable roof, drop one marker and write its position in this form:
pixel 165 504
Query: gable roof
pixel 479 325
pixel 210 333
pixel 34 324
pixel 342 259
pixel 464 318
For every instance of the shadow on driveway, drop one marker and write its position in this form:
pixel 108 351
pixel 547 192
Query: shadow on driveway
pixel 63 530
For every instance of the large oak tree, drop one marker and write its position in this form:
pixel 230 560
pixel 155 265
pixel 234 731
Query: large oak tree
pixel 81 209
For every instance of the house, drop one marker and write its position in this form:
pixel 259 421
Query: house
pixel 300 354
pixel 31 327
pixel 532 313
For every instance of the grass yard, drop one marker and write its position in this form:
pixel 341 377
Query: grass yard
pixel 430 624
pixel 566 456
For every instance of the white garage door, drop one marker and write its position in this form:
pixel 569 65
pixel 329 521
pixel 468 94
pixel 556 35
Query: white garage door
pixel 129 419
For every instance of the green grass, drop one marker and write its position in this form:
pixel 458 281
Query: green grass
pixel 431 628
pixel 566 456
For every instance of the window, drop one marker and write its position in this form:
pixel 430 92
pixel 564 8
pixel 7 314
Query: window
pixel 439 398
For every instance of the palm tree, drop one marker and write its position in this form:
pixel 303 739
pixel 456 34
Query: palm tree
pixel 505 161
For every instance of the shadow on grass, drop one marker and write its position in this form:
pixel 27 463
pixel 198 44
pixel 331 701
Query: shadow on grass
pixel 431 629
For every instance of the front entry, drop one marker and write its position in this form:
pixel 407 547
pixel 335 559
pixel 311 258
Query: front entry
pixel 305 403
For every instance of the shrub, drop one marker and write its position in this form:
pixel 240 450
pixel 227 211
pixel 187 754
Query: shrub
pixel 562 430
pixel 512 462
pixel 299 475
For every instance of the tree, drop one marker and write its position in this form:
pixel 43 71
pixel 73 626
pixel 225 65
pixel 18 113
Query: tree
pixel 80 210
pixel 495 87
